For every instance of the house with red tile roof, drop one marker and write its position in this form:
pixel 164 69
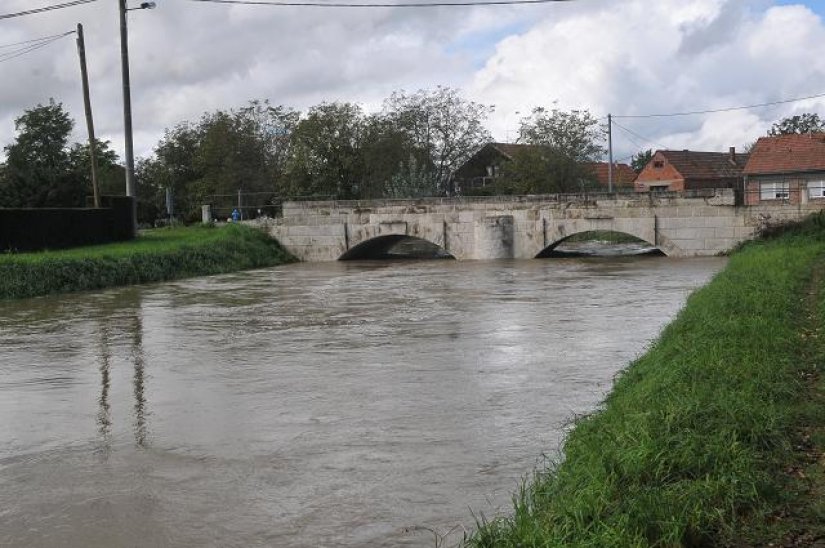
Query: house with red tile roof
pixel 786 168
pixel 678 170
pixel 485 165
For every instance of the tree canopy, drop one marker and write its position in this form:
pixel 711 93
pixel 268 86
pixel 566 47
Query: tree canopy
pixel 640 160
pixel 562 145
pixel 808 122
pixel 44 170
pixel 441 124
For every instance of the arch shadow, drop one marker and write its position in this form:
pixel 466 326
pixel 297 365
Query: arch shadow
pixel 395 247
pixel 610 243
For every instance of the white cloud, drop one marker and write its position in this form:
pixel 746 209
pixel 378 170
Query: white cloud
pixel 639 57
pixel 628 57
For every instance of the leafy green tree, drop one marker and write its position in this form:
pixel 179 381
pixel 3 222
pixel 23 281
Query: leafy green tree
pixel 111 176
pixel 392 164
pixel 38 169
pixel 575 134
pixel 442 123
pixel 560 146
pixel 326 152
pixel 223 152
pixel 640 160
pixel 804 123
pixel 541 169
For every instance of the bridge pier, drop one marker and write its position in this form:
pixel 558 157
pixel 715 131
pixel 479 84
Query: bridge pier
pixel 494 238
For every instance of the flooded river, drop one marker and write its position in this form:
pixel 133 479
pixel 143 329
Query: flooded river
pixel 343 404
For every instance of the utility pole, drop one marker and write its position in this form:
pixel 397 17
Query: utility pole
pixel 610 153
pixel 127 109
pixel 87 104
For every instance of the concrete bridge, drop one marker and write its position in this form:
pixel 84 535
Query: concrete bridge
pixel 519 227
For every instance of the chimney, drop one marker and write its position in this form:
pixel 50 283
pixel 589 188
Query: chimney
pixel 732 153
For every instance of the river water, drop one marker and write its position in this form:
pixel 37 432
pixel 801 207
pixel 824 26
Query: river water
pixel 342 404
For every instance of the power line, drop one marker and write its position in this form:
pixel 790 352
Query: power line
pixel 33 40
pixel 46 8
pixel 8 56
pixel 630 136
pixel 634 134
pixel 729 109
pixel 313 4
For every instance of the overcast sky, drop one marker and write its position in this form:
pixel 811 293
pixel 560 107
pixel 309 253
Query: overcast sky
pixel 626 57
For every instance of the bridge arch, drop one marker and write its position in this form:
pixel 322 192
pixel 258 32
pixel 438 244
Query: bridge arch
pixel 395 246
pixel 550 249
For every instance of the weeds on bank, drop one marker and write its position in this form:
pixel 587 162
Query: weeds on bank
pixel 686 449
pixel 156 255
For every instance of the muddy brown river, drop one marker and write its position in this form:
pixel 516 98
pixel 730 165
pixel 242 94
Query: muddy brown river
pixel 342 404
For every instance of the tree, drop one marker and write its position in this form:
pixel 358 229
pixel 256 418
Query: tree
pixel 561 145
pixel 392 164
pixel 804 123
pixel 38 169
pixel 541 169
pixel 326 152
pixel 575 134
pixel 111 176
pixel 225 151
pixel 441 123
pixel 640 160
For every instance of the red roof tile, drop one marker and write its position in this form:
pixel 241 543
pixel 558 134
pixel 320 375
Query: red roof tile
pixel 787 154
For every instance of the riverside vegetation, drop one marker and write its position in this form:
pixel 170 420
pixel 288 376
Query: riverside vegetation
pixel 715 436
pixel 155 255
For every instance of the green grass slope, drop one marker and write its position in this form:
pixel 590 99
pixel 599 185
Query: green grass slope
pixel 156 255
pixel 690 447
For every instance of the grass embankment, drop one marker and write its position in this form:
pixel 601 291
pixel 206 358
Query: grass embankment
pixel 714 437
pixel 156 255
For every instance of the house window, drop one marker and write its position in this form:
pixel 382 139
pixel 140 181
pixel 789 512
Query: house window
pixel 658 164
pixel 774 191
pixel 816 189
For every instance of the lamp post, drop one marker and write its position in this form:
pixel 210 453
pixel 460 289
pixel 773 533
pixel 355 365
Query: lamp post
pixel 131 190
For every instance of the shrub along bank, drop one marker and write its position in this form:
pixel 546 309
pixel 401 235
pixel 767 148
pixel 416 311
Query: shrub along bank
pixel 714 436
pixel 156 255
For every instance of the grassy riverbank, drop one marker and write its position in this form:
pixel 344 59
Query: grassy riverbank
pixel 714 437
pixel 156 255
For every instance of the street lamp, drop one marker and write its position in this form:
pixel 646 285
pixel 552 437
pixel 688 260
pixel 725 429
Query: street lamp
pixel 144 6
pixel 127 102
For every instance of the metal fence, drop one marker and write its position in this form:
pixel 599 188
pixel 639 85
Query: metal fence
pixel 252 205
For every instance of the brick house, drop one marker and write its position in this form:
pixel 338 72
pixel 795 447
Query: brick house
pixel 789 168
pixel 678 170
pixel 485 165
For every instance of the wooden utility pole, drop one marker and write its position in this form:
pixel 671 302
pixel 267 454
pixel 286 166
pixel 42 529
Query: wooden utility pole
pixel 87 103
pixel 610 153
